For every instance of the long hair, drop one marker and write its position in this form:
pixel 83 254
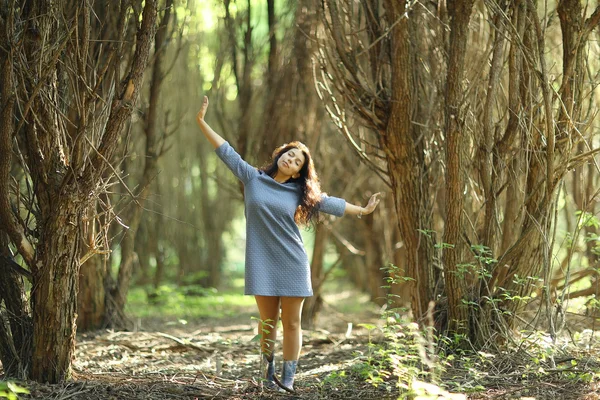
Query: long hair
pixel 308 181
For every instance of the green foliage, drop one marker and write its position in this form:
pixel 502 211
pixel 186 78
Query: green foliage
pixel 429 233
pixel 10 390
pixel 334 379
pixel 587 219
pixel 191 301
pixel 406 358
pixel 266 327
pixel 548 359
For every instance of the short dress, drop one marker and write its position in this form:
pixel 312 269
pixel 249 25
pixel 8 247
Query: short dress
pixel 276 261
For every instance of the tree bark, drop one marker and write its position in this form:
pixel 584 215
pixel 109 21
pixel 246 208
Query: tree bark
pixel 213 226
pixel 312 305
pixel 406 165
pixel 16 330
pixel 374 261
pixel 92 293
pixel 456 143
pixel 54 293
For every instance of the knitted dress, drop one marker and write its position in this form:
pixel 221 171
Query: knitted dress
pixel 276 261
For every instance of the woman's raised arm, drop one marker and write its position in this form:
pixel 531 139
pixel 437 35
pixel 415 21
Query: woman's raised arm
pixel 213 137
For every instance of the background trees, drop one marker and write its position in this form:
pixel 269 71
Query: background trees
pixel 501 130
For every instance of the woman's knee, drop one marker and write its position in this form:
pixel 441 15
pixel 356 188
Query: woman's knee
pixel 291 311
pixel 291 324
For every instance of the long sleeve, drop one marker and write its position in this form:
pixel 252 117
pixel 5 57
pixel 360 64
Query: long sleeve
pixel 240 168
pixel 332 205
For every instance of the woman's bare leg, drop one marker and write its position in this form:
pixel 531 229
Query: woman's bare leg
pixel 268 308
pixel 291 312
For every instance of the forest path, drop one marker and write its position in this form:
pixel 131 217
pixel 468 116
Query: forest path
pixel 218 358
pixel 214 359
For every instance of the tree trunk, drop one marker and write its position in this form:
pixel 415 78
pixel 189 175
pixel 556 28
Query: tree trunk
pixel 242 74
pixel 313 304
pixel 54 293
pixel 16 329
pixel 456 144
pixel 374 262
pixel 145 244
pixel 152 154
pixel 59 166
pixel 406 166
pixel 155 247
pixel 213 226
pixel 92 293
pixel 489 174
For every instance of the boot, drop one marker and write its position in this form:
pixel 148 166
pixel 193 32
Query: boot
pixel 287 376
pixel 267 372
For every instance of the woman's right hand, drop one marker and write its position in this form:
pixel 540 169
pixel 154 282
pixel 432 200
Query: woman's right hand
pixel 203 108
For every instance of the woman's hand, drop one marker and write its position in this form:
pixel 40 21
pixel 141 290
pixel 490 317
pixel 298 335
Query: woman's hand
pixel 203 108
pixel 213 137
pixel 373 202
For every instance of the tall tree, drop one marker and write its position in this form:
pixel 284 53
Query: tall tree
pixel 378 85
pixel 456 143
pixel 50 71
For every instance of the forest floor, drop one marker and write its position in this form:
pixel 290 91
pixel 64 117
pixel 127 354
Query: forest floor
pixel 217 358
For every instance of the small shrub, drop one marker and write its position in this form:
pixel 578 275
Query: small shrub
pixel 10 390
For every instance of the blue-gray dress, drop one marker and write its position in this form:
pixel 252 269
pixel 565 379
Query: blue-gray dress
pixel 276 262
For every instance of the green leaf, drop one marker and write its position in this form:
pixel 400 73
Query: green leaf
pixel 369 327
pixel 256 338
pixel 19 389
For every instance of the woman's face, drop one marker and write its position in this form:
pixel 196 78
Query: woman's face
pixel 290 163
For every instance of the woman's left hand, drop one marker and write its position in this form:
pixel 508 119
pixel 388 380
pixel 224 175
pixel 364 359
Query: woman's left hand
pixel 373 202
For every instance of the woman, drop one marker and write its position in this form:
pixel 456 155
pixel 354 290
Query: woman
pixel 277 198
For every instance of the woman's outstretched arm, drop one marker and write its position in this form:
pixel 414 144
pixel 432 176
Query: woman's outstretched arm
pixel 352 209
pixel 213 137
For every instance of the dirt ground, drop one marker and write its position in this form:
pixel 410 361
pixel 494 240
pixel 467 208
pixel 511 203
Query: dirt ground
pixel 218 359
pixel 211 359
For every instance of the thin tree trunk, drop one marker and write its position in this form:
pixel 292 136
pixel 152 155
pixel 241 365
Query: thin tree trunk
pixel 151 162
pixel 155 246
pixel 92 293
pixel 460 13
pixel 16 332
pixel 313 304
pixel 374 262
pixel 144 247
pixel 489 174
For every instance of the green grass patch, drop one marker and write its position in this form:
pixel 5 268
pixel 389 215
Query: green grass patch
pixel 191 302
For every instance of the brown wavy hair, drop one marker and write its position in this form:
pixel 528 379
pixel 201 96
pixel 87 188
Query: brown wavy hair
pixel 307 211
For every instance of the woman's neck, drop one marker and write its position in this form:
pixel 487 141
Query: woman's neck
pixel 279 177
